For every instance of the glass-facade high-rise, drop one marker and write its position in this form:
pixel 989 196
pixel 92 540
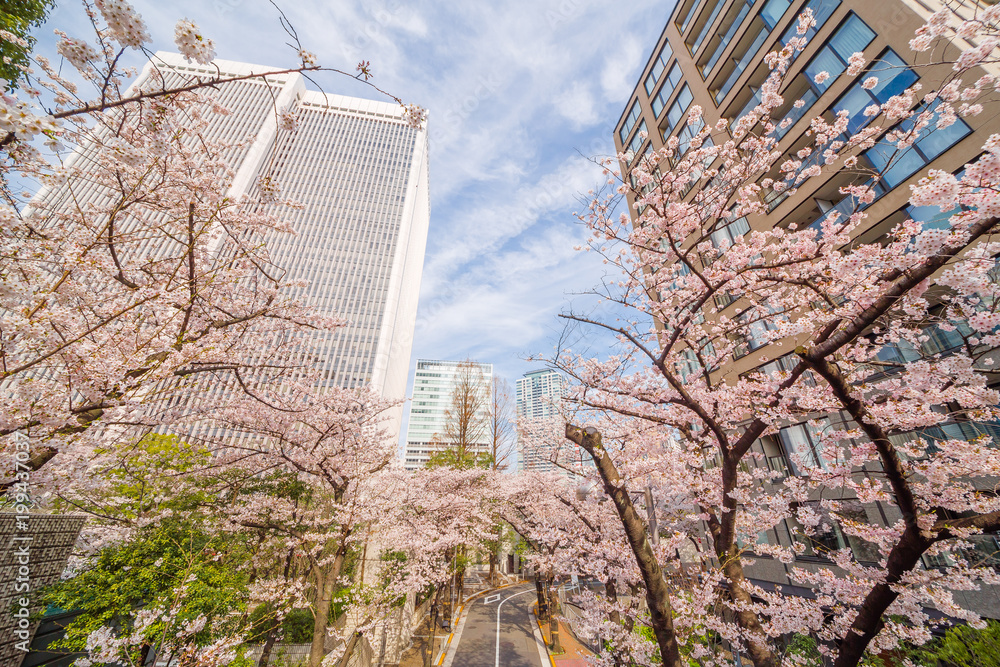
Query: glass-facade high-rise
pixel 432 407
pixel 539 394
pixel 360 173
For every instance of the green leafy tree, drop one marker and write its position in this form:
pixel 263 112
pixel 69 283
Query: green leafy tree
pixel 173 568
pixel 965 646
pixel 19 17
pixel 459 459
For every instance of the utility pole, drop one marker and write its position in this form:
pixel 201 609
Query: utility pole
pixel 654 530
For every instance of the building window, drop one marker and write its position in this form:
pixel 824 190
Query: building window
pixel 930 217
pixel 844 208
pixel 741 62
pixel 822 10
pixel 659 63
pixel 803 444
pixel 677 110
pixel 777 464
pixel 932 142
pixel 633 116
pixel 852 36
pixel 693 46
pixel 726 37
pixel 692 10
pixel 633 148
pixel 687 135
pixel 754 334
pixel 687 364
pixel 730 233
pixel 773 11
pixel 666 90
pixel 830 535
pixel 794 114
pixel 778 369
pixel 893 78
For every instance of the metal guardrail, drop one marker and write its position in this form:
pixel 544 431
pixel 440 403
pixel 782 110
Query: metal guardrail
pixel 571 616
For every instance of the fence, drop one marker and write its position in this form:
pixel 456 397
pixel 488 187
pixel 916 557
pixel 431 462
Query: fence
pixel 571 615
pixel 296 655
pixel 283 655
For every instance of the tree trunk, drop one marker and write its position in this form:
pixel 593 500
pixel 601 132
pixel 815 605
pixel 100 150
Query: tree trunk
pixel 620 658
pixel 459 587
pixel 321 613
pixel 758 651
pixel 543 605
pixel 321 621
pixel 868 623
pixel 556 645
pixel 724 538
pixel 272 636
pixel 494 556
pixel 265 651
pixel 435 612
pixel 349 649
pixel 430 627
pixel 657 593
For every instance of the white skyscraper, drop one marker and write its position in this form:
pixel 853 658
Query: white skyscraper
pixel 538 396
pixel 360 173
pixel 433 387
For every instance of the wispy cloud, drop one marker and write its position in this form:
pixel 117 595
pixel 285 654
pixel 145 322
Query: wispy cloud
pixel 516 91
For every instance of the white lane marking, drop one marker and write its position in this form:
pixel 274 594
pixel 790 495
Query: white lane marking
pixel 530 590
pixel 491 599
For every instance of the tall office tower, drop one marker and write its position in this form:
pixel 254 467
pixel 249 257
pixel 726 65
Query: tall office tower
pixel 711 53
pixel 434 385
pixel 538 397
pixel 360 173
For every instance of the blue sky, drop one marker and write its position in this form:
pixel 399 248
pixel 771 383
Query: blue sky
pixel 518 93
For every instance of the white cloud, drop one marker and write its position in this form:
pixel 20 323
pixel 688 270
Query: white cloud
pixel 620 70
pixel 577 105
pixel 513 89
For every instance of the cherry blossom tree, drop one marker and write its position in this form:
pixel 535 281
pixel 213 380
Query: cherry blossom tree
pixel 442 514
pixel 844 311
pixel 136 296
pixel 132 279
pixel 337 449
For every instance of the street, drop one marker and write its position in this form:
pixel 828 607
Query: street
pixel 499 631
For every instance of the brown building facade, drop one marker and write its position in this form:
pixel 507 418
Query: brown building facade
pixel 711 53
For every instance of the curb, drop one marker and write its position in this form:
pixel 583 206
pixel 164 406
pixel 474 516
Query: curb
pixel 540 637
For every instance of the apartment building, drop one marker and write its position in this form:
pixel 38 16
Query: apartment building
pixel 711 53
pixel 537 398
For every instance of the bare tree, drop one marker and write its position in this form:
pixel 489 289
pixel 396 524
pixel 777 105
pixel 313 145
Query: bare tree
pixel 502 424
pixel 502 432
pixel 467 422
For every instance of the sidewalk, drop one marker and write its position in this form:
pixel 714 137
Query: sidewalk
pixel 574 653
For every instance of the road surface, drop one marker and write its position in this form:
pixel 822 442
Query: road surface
pixel 510 641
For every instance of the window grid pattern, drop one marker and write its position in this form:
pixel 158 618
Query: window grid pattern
pixel 433 385
pixel 538 395
pixel 350 174
pixel 673 79
pixel 633 116
pixel 659 63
